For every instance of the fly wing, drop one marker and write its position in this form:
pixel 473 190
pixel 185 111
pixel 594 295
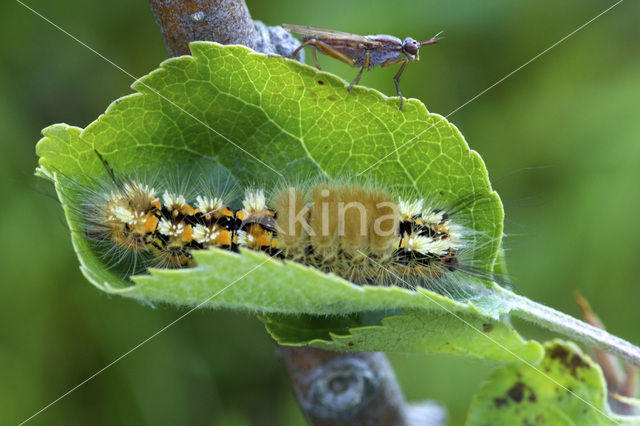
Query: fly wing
pixel 324 34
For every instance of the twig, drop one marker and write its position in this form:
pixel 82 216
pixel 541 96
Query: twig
pixel 337 388
pixel 184 21
pixel 223 21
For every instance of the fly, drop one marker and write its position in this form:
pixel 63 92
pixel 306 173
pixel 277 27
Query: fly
pixel 361 51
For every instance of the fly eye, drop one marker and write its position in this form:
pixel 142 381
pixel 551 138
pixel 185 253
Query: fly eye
pixel 411 48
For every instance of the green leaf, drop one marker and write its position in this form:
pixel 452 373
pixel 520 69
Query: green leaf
pixel 255 117
pixel 567 388
pixel 467 333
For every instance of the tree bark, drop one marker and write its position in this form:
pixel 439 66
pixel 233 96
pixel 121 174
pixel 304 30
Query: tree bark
pixel 339 388
pixel 184 21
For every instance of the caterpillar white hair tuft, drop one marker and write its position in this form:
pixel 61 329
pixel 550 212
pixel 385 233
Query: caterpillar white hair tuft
pixel 360 231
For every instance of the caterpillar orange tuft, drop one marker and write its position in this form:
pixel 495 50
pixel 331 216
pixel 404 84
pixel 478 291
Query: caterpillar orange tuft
pixel 359 231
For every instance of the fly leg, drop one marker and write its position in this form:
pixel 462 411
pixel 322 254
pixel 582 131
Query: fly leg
pixel 324 48
pixel 365 64
pixel 396 80
pixel 315 58
pixel 313 52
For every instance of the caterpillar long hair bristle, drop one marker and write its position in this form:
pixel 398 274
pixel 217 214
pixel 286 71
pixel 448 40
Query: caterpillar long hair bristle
pixel 359 231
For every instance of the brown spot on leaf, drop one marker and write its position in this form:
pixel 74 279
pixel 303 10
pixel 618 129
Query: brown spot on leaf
pixel 558 352
pixel 572 362
pixel 578 362
pixel 518 390
pixel 500 402
pixel 320 82
pixel 487 327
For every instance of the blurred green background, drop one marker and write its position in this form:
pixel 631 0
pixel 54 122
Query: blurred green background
pixel 573 224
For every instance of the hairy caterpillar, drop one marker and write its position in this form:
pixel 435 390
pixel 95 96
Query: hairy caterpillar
pixel 359 231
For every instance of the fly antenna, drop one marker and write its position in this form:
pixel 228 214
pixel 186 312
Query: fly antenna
pixel 433 40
